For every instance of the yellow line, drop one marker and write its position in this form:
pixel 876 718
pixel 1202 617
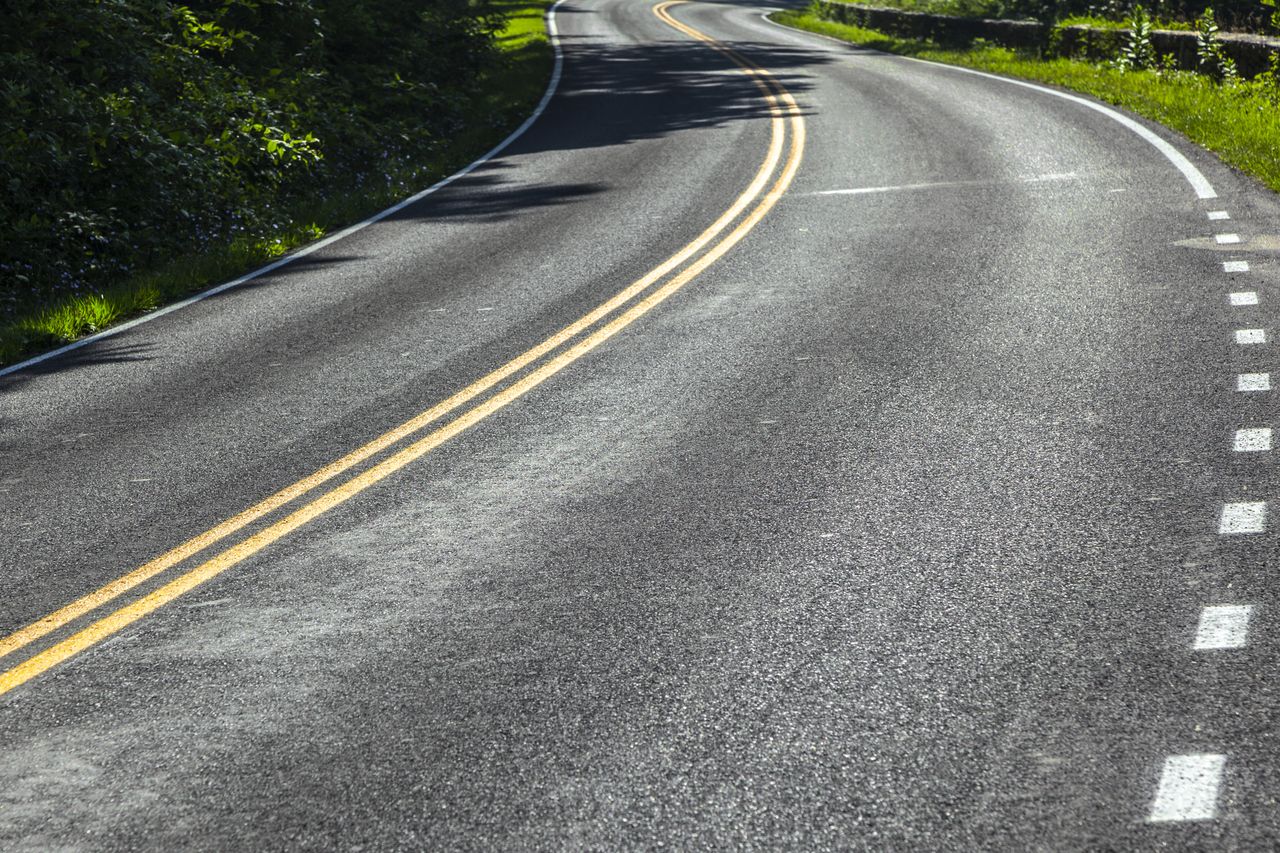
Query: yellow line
pixel 70 612
pixel 130 613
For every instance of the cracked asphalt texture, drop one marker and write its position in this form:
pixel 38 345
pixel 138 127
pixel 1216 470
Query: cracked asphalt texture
pixel 889 531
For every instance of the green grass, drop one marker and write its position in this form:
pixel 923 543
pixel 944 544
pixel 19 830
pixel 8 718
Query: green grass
pixel 510 92
pixel 959 8
pixel 997 9
pixel 1239 122
pixel 1108 24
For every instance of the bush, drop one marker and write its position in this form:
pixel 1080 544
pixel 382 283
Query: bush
pixel 1213 59
pixel 1138 53
pixel 135 128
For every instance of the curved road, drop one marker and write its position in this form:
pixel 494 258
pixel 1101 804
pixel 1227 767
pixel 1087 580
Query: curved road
pixel 885 517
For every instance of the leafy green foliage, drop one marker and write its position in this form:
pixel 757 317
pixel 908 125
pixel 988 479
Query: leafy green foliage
pixel 1209 51
pixel 1245 15
pixel 1273 18
pixel 1138 53
pixel 131 129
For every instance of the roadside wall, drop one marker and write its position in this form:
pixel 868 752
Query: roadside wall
pixel 1250 52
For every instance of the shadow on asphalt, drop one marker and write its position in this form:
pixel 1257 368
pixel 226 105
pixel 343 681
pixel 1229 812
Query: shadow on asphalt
pixel 108 351
pixel 487 197
pixel 616 94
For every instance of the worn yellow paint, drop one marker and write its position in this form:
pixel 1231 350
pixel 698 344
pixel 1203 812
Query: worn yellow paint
pixel 124 616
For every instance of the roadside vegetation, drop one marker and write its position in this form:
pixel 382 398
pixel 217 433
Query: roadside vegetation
pixel 149 150
pixel 1237 119
pixel 1254 16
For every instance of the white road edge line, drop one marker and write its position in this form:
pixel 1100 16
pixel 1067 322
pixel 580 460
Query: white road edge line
pixel 1188 788
pixel 1194 176
pixel 1252 440
pixel 553 36
pixel 1223 626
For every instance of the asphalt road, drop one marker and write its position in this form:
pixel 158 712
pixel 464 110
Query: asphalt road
pixel 892 528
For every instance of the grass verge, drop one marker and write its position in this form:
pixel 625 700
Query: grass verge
pixel 999 9
pixel 1240 122
pixel 511 90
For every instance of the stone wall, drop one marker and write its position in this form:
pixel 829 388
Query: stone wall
pixel 1251 53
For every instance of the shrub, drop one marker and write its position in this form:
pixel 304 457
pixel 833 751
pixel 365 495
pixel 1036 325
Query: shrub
pixel 1138 53
pixel 1213 60
pixel 130 129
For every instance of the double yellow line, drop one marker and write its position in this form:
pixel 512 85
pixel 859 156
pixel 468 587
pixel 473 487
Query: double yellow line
pixel 529 369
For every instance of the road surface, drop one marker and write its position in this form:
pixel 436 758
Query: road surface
pixel 838 457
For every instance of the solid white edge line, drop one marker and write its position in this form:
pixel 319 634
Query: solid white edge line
pixel 553 36
pixel 1194 176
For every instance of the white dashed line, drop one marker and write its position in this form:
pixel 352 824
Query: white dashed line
pixel 1223 626
pixel 1244 297
pixel 1253 382
pixel 1034 179
pixel 1247 337
pixel 1235 266
pixel 1188 788
pixel 1243 517
pixel 215 603
pixel 1225 239
pixel 1253 440
pixel 1219 214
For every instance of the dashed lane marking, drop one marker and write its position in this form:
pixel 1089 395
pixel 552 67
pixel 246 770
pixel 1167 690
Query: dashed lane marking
pixel 1243 517
pixel 1253 382
pixel 1219 214
pixel 1235 266
pixel 1226 239
pixel 1244 297
pixel 1188 788
pixel 1253 440
pixel 1034 179
pixel 1248 337
pixel 1223 626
